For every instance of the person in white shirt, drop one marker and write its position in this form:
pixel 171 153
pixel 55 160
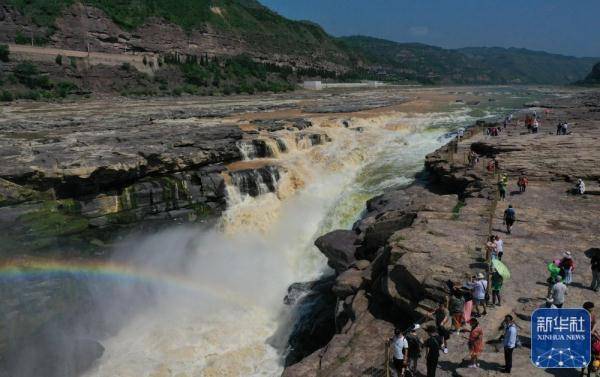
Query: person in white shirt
pixel 580 187
pixel 400 349
pixel 509 341
pixel 499 243
pixel 479 287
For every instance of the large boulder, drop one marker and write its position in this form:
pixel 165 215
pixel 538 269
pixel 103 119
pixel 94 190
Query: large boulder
pixel 339 248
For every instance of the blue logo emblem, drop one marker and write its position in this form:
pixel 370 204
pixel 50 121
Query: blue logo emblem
pixel 560 338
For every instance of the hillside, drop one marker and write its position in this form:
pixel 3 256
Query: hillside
pixel 221 47
pixel 423 63
pixel 593 78
pixel 195 27
pixel 538 67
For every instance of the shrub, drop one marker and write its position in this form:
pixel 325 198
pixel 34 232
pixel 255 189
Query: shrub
pixel 4 53
pixel 145 61
pixel 64 88
pixel 6 96
pixel 126 67
pixel 58 59
pixel 20 39
pixel 177 91
pixel 73 62
pixel 32 95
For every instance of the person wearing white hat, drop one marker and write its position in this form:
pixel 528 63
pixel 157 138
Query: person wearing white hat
pixel 558 292
pixel 479 288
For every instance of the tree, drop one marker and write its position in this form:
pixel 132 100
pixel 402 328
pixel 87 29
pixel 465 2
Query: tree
pixel 4 53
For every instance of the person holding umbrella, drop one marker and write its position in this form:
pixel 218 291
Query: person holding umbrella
pixel 497 281
pixel 499 273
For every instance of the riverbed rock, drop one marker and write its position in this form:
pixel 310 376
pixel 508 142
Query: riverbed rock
pixel 348 283
pixel 339 248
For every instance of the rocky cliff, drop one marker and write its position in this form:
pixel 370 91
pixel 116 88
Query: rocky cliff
pixel 228 29
pixel 394 265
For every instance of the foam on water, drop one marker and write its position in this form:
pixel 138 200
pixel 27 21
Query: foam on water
pixel 262 245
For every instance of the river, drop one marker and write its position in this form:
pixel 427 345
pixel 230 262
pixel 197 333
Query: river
pixel 215 297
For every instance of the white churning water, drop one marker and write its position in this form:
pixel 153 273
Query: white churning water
pixel 261 246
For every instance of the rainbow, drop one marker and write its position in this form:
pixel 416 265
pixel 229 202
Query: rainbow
pixel 14 271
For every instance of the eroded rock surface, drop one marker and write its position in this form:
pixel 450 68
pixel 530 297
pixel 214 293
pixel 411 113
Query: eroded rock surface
pixel 420 238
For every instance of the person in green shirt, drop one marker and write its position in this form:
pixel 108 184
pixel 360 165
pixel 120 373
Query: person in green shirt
pixel 497 281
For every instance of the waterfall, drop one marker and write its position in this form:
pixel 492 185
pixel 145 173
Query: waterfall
pixel 255 182
pixel 263 243
pixel 247 149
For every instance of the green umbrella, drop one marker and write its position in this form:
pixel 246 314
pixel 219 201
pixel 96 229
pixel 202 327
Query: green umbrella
pixel 501 268
pixel 553 269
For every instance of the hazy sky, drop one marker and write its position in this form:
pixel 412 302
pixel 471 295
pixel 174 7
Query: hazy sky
pixel 569 27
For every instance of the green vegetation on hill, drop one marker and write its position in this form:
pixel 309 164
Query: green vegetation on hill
pixel 27 82
pixel 520 65
pixel 247 19
pixel 4 53
pixel 231 76
pixel 429 64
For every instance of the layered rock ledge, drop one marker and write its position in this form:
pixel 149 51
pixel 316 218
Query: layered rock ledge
pixel 393 266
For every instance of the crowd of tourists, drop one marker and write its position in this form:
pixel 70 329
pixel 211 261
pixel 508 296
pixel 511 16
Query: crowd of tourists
pixel 468 301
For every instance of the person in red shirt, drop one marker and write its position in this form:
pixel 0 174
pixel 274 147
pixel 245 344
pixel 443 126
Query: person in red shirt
pixel 475 343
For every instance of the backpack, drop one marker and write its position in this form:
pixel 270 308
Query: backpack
pixel 414 345
pixel 510 214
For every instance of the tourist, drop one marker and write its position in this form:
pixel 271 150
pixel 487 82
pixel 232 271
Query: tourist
pixel 497 281
pixel 528 122
pixel 460 134
pixel 510 216
pixel 475 343
pixel 536 126
pixel 432 344
pixel 522 183
pixel 595 341
pixel 442 323
pixel 564 128
pixel 559 128
pixel 499 246
pixel 554 270
pixel 414 350
pixel 509 341
pixel 567 265
pixel 595 265
pixel 400 349
pixel 580 187
pixel 502 190
pixel 558 292
pixel 479 288
pixel 456 307
pixel 589 306
pixel 491 166
pixel 490 249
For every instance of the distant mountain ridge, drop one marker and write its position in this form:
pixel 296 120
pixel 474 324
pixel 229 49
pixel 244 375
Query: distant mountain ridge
pixel 246 27
pixel 473 65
